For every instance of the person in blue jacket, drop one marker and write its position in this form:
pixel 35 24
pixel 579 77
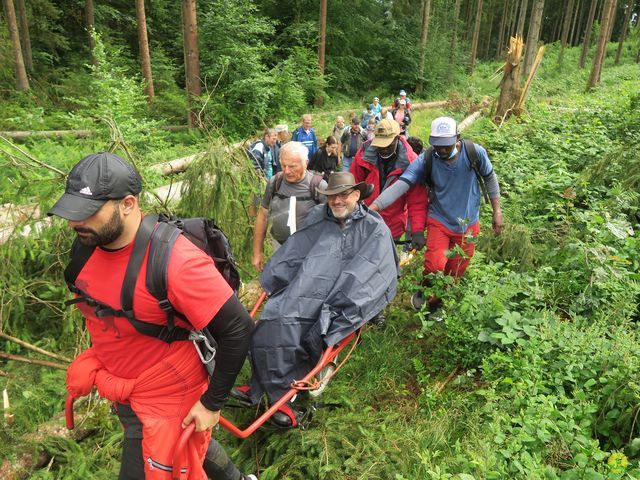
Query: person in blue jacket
pixel 306 135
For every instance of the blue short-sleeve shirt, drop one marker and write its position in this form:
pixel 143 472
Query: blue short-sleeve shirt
pixel 454 198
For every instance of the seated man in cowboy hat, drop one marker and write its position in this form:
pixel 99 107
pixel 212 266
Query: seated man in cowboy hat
pixel 332 276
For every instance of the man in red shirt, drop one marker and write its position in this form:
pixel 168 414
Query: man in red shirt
pixel 158 388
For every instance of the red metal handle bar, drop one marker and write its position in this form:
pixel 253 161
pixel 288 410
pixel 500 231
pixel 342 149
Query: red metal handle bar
pixel 68 411
pixel 178 451
pixel 328 356
pixel 254 310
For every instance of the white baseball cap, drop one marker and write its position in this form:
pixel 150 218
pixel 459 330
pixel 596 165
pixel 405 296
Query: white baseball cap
pixel 444 132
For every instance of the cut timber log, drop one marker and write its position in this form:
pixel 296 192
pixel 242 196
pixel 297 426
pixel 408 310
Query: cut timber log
pixel 426 105
pixel 468 121
pixel 177 165
pixel 17 135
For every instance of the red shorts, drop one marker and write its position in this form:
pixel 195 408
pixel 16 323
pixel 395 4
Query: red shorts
pixel 440 240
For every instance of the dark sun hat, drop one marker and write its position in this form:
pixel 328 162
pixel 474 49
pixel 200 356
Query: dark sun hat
pixel 92 182
pixel 342 181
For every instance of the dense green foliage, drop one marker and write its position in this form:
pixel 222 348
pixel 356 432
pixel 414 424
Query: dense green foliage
pixel 542 332
pixel 258 58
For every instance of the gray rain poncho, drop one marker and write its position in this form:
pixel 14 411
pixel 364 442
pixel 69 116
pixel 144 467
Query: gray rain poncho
pixel 324 283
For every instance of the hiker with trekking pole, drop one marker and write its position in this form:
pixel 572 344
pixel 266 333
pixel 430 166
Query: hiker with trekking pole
pixel 457 174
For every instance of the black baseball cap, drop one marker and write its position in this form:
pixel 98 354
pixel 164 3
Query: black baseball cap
pixel 93 181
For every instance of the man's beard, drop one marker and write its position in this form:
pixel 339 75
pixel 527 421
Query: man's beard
pixel 107 234
pixel 342 214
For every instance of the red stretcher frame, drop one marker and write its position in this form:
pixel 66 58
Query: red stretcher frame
pixel 328 356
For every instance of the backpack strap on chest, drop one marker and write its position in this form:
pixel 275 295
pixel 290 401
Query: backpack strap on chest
pixel 313 185
pixel 472 153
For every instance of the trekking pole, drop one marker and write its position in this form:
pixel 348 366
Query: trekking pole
pixel 68 411
pixel 178 452
pixel 263 295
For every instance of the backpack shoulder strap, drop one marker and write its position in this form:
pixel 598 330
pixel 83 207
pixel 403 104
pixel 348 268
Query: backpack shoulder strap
pixel 472 153
pixel 470 147
pixel 80 255
pixel 428 166
pixel 313 186
pixel 277 183
pixel 140 243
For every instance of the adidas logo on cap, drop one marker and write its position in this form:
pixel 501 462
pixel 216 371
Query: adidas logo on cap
pixel 86 191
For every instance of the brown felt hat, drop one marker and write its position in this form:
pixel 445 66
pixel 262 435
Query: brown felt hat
pixel 342 181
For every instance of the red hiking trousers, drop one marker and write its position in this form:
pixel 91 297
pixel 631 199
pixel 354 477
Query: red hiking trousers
pixel 439 240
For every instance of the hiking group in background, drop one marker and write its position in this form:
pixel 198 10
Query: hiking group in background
pixel 440 193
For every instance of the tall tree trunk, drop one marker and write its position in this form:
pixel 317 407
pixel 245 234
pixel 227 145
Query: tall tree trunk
pixel 599 11
pixel 25 39
pixel 568 14
pixel 469 18
pixel 625 28
pixel 487 45
pixel 581 23
pixel 523 15
pixel 587 33
pixel 323 35
pixel 577 18
pixel 513 16
pixel 598 58
pixel 90 19
pixel 424 34
pixel 192 57
pixel 533 35
pixel 454 39
pixel 476 35
pixel 556 27
pixel 612 21
pixel 503 23
pixel 22 82
pixel 322 44
pixel 143 43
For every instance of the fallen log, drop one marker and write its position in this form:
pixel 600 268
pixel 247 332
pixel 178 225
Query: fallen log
pixel 177 165
pixel 21 135
pixel 181 164
pixel 425 105
pixel 468 121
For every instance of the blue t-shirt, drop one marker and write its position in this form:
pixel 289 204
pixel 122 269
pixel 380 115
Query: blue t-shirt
pixel 306 138
pixel 454 199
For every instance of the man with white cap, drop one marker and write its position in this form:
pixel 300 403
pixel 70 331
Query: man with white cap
pixel 457 174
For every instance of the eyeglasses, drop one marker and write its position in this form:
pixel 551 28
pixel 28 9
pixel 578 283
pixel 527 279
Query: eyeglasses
pixel 341 195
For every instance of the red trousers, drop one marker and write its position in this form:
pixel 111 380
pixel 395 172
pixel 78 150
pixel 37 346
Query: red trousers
pixel 439 240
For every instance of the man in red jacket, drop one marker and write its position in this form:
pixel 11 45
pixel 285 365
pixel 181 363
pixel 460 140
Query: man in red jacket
pixel 381 162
